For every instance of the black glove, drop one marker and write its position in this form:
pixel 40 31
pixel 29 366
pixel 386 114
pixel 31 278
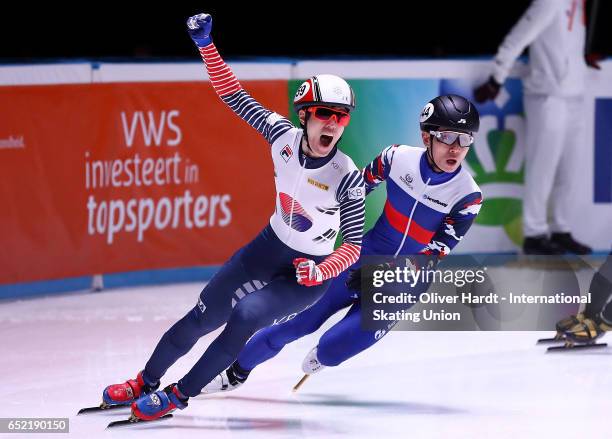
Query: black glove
pixel 353 281
pixel 592 60
pixel 487 91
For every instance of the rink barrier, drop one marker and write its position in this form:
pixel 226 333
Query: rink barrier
pixel 110 281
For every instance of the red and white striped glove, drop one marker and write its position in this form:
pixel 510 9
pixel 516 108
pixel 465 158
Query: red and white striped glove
pixel 307 272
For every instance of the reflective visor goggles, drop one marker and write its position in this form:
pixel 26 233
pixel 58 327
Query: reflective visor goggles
pixel 450 137
pixel 325 113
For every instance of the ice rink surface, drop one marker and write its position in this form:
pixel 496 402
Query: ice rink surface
pixel 58 353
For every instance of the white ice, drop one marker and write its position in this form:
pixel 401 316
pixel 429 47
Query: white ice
pixel 59 352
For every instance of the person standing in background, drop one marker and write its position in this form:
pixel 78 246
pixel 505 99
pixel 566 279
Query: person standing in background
pixel 555 31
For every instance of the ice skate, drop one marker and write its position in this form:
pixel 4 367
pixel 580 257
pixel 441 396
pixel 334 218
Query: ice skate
pixel 158 404
pixel 562 326
pixel 584 334
pixel 310 365
pixel 125 393
pixel 230 379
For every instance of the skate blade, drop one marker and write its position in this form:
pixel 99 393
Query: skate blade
pixel 551 340
pixel 300 382
pixel 102 408
pixel 572 347
pixel 134 420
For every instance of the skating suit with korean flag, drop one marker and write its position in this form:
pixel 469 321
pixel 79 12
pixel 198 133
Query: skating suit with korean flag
pixel 316 199
pixel 425 212
pixel 307 215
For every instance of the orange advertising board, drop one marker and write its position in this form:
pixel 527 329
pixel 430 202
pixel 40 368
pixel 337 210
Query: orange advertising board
pixel 103 178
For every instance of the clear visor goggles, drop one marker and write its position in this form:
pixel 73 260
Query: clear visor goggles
pixel 450 137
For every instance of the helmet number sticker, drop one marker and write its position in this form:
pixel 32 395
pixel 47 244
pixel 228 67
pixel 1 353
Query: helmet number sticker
pixel 427 112
pixel 302 90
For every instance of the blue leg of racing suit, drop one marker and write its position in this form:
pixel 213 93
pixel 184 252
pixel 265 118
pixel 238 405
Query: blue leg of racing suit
pixel 339 343
pixel 255 287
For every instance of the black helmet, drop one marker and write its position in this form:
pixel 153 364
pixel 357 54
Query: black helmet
pixel 450 111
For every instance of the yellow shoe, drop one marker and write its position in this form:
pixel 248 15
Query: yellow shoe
pixel 586 331
pixel 569 322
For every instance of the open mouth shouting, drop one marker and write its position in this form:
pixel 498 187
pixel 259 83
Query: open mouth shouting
pixel 326 140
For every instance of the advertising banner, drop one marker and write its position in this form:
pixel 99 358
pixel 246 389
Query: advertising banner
pixel 101 178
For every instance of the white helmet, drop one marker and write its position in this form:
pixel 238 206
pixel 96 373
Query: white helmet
pixel 324 90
